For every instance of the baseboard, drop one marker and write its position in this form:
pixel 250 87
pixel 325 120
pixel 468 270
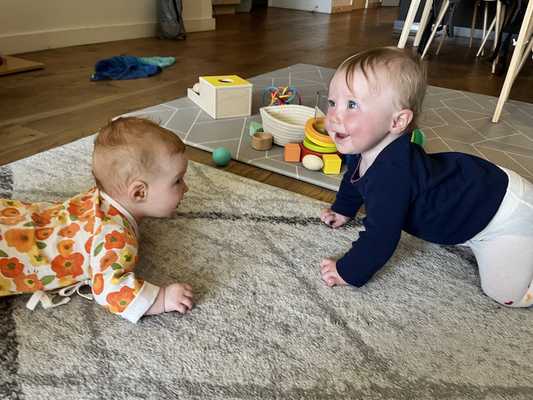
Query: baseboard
pixel 50 39
pixel 341 9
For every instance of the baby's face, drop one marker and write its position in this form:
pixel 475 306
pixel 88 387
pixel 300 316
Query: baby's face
pixel 167 189
pixel 359 119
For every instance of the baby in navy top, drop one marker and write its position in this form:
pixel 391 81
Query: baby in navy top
pixel 445 198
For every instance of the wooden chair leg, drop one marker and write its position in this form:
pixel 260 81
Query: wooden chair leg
pixel 487 34
pixel 500 17
pixel 442 12
pixel 515 62
pixel 423 22
pixel 485 20
pixel 409 19
pixel 528 50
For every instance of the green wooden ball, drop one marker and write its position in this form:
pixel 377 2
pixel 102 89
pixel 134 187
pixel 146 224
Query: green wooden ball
pixel 221 156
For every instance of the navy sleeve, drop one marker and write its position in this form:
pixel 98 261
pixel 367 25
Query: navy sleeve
pixel 387 200
pixel 348 199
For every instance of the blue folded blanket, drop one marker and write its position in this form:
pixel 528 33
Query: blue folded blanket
pixel 129 67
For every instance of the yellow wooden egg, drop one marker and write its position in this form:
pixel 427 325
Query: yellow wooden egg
pixel 312 162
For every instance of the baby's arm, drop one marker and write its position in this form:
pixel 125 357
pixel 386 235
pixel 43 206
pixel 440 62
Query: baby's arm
pixel 333 219
pixel 175 297
pixel 116 287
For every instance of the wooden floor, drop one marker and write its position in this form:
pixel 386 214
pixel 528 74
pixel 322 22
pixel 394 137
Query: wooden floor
pixel 47 108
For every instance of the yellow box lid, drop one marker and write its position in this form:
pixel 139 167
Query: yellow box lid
pixel 226 80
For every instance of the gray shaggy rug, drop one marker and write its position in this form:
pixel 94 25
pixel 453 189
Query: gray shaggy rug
pixel 264 326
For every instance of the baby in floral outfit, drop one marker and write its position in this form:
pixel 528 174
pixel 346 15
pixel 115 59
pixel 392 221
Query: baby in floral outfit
pixel 92 238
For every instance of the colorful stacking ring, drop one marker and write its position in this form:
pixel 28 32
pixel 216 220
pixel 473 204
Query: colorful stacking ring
pixel 316 136
pixel 319 142
pixel 319 149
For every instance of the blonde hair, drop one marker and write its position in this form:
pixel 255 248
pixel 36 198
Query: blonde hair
pixel 390 65
pixel 129 148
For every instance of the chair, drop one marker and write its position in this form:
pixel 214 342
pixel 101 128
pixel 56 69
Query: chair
pixel 495 25
pixel 523 48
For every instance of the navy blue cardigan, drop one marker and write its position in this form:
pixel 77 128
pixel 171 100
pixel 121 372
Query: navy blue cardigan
pixel 444 198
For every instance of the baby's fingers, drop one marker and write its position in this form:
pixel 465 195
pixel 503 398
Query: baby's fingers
pixel 329 278
pixel 187 302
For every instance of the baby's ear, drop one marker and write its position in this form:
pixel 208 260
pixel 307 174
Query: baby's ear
pixel 138 191
pixel 401 121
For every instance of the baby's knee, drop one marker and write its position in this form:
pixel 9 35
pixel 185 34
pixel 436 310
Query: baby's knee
pixel 514 299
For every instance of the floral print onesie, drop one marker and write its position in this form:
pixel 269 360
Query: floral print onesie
pixel 88 239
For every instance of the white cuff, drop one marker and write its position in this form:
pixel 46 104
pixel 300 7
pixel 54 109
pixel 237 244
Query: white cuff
pixel 142 302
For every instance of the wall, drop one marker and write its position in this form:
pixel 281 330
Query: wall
pixel 29 25
pixel 323 6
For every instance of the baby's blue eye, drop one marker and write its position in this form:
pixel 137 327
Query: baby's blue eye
pixel 352 104
pixel 331 103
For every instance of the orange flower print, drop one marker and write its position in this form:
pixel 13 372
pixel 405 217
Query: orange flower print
pixel 10 212
pixel 70 265
pixel 21 239
pixel 79 207
pixel 11 267
pixel 10 216
pixel 62 218
pixel 98 284
pixel 127 259
pixel 130 238
pixel 41 219
pixel 89 226
pixel 139 282
pixel 99 213
pixel 114 240
pixel 43 233
pixel 88 245
pixel 118 301
pixel 65 247
pixel 109 258
pixel 28 283
pixel 37 258
pixel 69 231
pixel 112 211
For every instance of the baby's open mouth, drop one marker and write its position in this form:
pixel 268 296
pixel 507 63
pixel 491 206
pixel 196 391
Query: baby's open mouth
pixel 340 136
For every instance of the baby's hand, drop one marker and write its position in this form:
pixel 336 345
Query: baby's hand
pixel 178 297
pixel 329 274
pixel 333 219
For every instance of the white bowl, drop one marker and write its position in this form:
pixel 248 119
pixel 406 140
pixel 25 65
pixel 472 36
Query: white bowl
pixel 286 123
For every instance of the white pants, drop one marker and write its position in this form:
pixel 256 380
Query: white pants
pixel 504 249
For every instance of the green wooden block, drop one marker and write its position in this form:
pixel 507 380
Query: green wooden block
pixel 255 127
pixel 418 137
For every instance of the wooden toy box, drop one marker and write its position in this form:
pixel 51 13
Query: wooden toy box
pixel 223 96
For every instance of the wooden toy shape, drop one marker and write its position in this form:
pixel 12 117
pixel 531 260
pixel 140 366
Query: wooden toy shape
pixel 223 96
pixel 292 152
pixel 262 141
pixel 332 164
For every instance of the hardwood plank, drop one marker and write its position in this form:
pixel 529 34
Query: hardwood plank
pixel 12 65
